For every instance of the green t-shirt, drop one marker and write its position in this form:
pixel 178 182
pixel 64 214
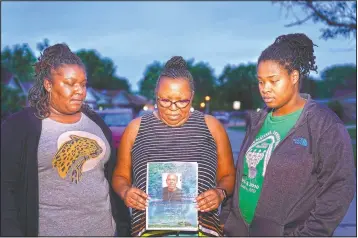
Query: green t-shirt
pixel 273 130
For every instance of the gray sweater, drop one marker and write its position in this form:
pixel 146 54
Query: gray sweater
pixel 309 181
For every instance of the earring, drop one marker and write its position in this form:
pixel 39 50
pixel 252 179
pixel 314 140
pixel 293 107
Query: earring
pixel 155 106
pixel 191 109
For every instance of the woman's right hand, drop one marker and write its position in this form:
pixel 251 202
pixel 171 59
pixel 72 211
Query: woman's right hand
pixel 136 198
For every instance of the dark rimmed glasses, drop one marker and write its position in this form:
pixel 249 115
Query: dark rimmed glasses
pixel 167 103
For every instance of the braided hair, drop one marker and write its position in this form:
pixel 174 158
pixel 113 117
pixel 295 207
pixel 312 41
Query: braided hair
pixel 176 68
pixel 52 58
pixel 293 52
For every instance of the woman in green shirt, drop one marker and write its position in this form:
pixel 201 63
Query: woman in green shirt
pixel 295 172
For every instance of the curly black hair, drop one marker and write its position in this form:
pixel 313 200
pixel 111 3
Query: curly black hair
pixel 294 52
pixel 176 67
pixel 52 58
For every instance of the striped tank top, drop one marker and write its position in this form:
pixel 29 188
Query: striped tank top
pixel 191 142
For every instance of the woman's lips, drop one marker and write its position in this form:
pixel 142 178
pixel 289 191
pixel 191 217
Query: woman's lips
pixel 268 100
pixel 76 101
pixel 173 117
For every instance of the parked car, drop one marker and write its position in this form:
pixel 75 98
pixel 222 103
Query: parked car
pixel 223 117
pixel 117 119
pixel 143 112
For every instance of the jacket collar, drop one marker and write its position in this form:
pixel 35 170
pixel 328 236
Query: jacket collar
pixel 257 118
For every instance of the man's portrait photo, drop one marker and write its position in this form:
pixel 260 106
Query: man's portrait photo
pixel 172 187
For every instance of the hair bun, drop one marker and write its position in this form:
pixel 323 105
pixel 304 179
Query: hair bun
pixel 56 50
pixel 299 40
pixel 176 62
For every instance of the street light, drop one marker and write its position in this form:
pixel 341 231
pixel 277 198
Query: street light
pixel 202 105
pixel 236 105
pixel 207 99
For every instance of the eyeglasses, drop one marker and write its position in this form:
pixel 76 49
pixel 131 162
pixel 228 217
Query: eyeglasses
pixel 167 103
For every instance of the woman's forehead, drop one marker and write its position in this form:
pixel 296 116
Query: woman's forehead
pixel 174 86
pixel 68 68
pixel 69 71
pixel 269 68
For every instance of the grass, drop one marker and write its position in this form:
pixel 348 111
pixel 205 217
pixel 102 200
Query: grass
pixel 349 123
pixel 237 128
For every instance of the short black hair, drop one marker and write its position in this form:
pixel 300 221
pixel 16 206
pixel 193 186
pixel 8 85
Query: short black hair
pixel 292 51
pixel 52 58
pixel 175 68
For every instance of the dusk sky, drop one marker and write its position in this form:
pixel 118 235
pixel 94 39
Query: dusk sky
pixel 134 34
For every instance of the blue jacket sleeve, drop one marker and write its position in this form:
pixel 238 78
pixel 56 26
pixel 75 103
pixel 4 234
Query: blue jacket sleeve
pixel 11 144
pixel 336 176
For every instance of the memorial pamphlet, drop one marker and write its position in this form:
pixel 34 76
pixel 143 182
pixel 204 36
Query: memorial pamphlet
pixel 172 187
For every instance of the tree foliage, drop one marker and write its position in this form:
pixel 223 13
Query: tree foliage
pixel 204 81
pixel 11 101
pixel 41 46
pixel 149 81
pixel 339 17
pixel 239 83
pixel 19 60
pixel 337 108
pixel 338 77
pixel 101 71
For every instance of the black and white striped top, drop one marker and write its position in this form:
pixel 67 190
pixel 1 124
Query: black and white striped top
pixel 191 142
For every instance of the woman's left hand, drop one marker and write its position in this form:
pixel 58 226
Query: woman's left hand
pixel 209 200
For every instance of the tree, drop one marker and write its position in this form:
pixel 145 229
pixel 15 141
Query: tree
pixel 204 81
pixel 11 101
pixel 149 81
pixel 337 108
pixel 43 45
pixel 309 85
pixel 339 77
pixel 239 83
pixel 101 71
pixel 19 60
pixel 339 16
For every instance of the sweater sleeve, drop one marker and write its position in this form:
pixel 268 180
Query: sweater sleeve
pixel 336 176
pixel 121 214
pixel 10 173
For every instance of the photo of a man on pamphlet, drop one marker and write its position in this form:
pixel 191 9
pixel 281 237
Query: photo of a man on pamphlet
pixel 171 187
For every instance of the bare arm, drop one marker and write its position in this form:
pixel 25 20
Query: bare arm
pixel 122 175
pixel 225 173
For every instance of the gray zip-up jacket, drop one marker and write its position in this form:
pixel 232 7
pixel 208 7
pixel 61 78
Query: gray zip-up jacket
pixel 309 181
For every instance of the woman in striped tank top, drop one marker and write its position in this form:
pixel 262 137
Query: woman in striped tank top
pixel 174 133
